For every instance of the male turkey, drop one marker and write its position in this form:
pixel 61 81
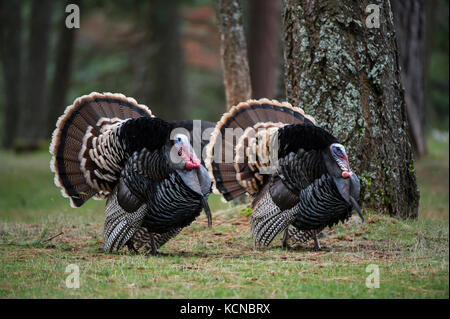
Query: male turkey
pixel 297 173
pixel 108 146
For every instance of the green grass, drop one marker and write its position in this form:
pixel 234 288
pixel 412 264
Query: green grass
pixel 220 262
pixel 433 177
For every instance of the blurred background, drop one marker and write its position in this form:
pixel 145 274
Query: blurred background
pixel 166 54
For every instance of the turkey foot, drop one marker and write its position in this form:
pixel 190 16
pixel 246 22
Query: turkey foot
pixel 284 241
pixel 316 244
pixel 131 247
pixel 154 251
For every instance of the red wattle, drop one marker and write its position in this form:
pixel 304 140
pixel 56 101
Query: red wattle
pixel 191 161
pixel 191 165
pixel 346 174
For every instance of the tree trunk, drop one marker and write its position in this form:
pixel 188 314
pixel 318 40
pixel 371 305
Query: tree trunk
pixel 10 51
pixel 233 50
pixel 409 21
pixel 263 47
pixel 162 84
pixel 347 76
pixel 35 105
pixel 63 71
pixel 431 12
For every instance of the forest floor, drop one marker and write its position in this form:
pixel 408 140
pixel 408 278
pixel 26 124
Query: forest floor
pixel 219 262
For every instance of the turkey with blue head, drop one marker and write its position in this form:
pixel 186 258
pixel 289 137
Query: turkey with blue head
pixel 296 173
pixel 107 146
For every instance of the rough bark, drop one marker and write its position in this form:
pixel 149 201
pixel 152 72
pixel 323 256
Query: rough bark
pixel 35 105
pixel 233 50
pixel 409 21
pixel 263 47
pixel 347 76
pixel 10 51
pixel 63 71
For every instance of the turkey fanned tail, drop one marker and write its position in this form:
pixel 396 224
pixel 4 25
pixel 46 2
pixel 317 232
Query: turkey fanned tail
pixel 85 147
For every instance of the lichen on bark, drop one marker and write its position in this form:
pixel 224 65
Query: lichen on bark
pixel 347 76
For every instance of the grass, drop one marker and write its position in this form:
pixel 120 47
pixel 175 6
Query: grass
pixel 217 262
pixel 433 178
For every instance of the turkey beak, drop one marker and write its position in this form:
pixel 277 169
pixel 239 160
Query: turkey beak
pixel 207 210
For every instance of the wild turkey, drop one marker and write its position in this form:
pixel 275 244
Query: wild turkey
pixel 108 146
pixel 297 173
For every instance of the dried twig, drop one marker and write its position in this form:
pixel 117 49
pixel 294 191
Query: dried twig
pixel 48 239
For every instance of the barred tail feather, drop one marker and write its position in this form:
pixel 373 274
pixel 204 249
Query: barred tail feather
pixel 235 179
pixel 296 235
pixel 72 140
pixel 147 240
pixel 273 226
pixel 120 225
pixel 267 220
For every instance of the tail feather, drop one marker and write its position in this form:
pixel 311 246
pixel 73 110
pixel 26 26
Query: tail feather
pixel 120 225
pixel 296 235
pixel 267 220
pixel 236 178
pixel 273 227
pixel 73 137
pixel 143 238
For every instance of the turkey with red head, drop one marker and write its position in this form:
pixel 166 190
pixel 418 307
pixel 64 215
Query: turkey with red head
pixel 296 173
pixel 108 146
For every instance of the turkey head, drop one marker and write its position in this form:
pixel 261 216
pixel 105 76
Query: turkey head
pixel 188 166
pixel 347 183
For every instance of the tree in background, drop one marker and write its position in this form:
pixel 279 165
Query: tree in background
pixel 63 70
pixel 437 64
pixel 107 59
pixel 10 52
pixel 347 76
pixel 35 107
pixel 263 47
pixel 409 21
pixel 162 80
pixel 233 50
